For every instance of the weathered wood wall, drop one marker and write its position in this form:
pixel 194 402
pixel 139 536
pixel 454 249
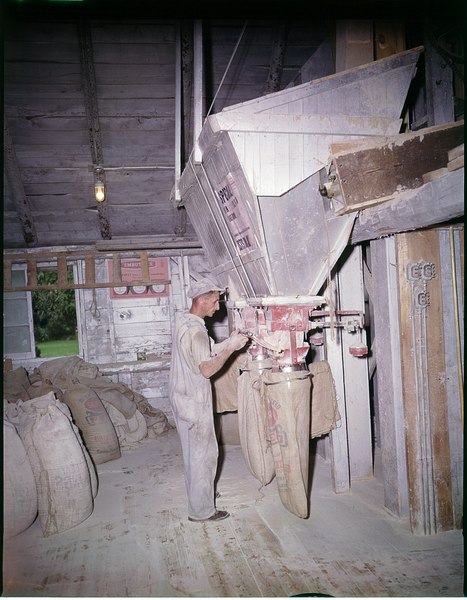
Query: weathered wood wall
pixel 131 338
pixel 429 412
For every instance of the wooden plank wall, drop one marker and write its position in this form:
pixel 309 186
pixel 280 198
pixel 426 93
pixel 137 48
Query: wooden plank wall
pixel 424 383
pixel 116 332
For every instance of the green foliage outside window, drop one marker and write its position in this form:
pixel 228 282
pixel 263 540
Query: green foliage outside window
pixel 54 311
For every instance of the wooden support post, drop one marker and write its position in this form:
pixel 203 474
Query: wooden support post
pixel 357 397
pixel 273 83
pixel 451 274
pixel 338 444
pixel 424 382
pixel 117 267
pixel 62 270
pixel 32 271
pixel 339 450
pixel 92 114
pixel 439 89
pixel 389 376
pixel 144 266
pixel 6 274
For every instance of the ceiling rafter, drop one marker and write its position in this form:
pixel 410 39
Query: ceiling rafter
pixel 13 176
pixel 273 83
pixel 92 114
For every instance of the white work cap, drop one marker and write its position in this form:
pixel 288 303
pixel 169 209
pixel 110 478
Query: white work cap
pixel 203 286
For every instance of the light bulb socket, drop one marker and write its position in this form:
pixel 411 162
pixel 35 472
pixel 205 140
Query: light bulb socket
pixel 99 186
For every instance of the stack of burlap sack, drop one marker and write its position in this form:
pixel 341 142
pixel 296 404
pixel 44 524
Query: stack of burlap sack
pixel 59 422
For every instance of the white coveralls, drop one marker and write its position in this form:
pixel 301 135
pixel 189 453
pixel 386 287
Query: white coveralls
pixel 190 396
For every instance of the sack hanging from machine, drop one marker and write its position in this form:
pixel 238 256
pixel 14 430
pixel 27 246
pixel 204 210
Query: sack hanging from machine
pixel 288 405
pixel 252 425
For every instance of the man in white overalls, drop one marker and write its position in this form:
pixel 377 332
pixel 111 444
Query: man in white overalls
pixel 196 358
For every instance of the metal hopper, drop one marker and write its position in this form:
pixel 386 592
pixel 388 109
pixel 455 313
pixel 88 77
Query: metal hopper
pixel 254 200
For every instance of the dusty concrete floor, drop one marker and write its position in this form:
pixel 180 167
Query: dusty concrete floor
pixel 138 541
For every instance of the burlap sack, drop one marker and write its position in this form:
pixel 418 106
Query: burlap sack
pixel 111 392
pixel 129 431
pixel 94 423
pixel 19 487
pixel 288 399
pixel 252 425
pixel 40 388
pixel 225 385
pixel 15 385
pixel 62 371
pixel 60 467
pixel 324 410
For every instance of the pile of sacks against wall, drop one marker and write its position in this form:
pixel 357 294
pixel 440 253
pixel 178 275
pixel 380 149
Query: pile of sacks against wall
pixel 105 416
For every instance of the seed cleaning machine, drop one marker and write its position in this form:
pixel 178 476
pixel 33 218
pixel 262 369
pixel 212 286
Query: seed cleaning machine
pixel 259 203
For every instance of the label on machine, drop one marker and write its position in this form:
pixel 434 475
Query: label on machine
pixel 236 215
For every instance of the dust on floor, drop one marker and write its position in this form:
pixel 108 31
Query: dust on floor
pixel 139 543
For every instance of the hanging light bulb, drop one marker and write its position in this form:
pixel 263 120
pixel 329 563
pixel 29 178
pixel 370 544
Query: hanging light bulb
pixel 99 186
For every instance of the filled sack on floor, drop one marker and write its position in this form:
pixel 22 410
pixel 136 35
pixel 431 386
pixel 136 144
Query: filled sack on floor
pixel 130 430
pixel 15 385
pixel 64 481
pixel 19 486
pixel 93 421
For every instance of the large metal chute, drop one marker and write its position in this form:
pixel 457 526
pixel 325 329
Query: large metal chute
pixel 254 199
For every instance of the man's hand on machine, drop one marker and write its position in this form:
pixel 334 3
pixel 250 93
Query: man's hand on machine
pixel 237 340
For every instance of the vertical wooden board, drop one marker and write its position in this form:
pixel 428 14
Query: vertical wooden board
pixel 462 242
pixel 62 269
pixel 357 398
pixel 354 43
pixel 89 266
pixel 388 375
pixel 453 337
pixel 425 403
pixel 389 38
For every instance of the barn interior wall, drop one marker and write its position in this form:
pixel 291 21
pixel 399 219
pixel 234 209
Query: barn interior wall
pixel 130 339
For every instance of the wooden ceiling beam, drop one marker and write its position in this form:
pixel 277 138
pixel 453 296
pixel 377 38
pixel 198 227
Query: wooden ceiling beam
pixel 433 204
pixel 92 114
pixel 13 176
pixel 273 83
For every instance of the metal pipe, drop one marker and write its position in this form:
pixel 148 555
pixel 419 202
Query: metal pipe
pixel 197 87
pixel 178 112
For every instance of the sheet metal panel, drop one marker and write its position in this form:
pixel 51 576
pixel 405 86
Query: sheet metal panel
pixel 378 88
pixel 304 237
pixel 224 213
pixel 277 153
